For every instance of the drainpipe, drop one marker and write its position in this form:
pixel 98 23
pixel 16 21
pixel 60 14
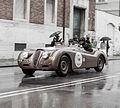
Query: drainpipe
pixel 63 21
pixel 119 7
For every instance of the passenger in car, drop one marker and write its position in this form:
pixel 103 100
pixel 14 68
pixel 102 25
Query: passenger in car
pixel 86 45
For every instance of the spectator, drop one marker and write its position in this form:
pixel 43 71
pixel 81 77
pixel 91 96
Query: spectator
pixel 103 45
pixel 107 47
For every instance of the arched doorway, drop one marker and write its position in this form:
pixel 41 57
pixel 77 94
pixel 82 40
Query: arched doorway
pixel 110 33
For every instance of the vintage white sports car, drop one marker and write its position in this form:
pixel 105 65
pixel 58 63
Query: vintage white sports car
pixel 60 58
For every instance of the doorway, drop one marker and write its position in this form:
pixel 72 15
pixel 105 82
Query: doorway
pixel 110 33
pixel 78 22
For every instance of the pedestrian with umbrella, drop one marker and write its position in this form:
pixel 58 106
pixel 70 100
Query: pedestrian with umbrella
pixel 107 47
pixel 105 38
pixel 107 43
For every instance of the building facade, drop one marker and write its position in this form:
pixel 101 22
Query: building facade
pixel 91 19
pixel 109 26
pixel 109 6
pixel 28 23
pixel 108 23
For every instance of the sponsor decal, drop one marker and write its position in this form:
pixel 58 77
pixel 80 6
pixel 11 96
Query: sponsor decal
pixel 78 59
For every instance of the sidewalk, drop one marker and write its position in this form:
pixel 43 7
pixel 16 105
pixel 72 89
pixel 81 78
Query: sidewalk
pixel 8 63
pixel 13 63
pixel 113 58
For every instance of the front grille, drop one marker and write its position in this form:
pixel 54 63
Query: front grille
pixel 36 56
pixel 45 66
pixel 25 64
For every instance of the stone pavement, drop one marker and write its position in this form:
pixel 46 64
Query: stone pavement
pixel 13 63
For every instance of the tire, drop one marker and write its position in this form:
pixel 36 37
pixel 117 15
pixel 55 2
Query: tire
pixel 28 71
pixel 87 68
pixel 64 66
pixel 100 64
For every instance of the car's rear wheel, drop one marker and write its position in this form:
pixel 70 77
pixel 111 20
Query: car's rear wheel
pixel 64 66
pixel 28 71
pixel 100 64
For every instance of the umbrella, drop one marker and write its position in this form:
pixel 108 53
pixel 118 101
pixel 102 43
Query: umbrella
pixel 55 33
pixel 105 39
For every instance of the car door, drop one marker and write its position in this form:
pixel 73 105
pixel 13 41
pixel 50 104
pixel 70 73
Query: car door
pixel 90 58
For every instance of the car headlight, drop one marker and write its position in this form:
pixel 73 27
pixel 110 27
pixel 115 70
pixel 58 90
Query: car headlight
pixel 24 55
pixel 45 55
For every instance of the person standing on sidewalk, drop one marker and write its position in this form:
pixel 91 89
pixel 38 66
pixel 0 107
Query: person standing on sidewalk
pixel 103 46
pixel 107 47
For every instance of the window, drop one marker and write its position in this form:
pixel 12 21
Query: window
pixel 21 9
pixel 50 11
pixel 101 1
pixel 20 46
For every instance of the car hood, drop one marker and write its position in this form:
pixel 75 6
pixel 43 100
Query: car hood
pixel 48 49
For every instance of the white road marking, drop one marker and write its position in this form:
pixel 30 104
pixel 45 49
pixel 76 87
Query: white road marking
pixel 50 87
pixel 35 77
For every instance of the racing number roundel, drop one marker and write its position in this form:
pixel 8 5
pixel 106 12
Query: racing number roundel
pixel 78 59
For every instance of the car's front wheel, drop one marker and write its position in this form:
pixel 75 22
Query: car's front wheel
pixel 64 66
pixel 100 64
pixel 28 71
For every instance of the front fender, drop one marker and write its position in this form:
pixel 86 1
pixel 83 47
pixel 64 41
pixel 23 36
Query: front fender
pixel 58 54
